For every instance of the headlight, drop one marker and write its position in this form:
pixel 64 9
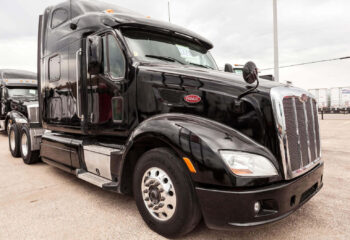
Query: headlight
pixel 247 164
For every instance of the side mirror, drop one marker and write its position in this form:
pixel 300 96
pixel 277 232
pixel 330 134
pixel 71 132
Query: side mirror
pixel 95 55
pixel 228 68
pixel 250 72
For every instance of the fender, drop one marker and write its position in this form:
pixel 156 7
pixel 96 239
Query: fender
pixel 16 117
pixel 200 140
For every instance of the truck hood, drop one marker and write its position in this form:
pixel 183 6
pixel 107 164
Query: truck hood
pixel 214 76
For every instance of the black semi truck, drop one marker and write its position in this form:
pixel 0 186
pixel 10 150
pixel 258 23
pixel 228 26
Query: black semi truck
pixel 19 112
pixel 138 106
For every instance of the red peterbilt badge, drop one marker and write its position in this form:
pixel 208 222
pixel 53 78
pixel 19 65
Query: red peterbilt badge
pixel 192 98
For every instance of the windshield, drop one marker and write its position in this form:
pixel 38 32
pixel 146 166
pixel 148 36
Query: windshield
pixel 22 92
pixel 161 47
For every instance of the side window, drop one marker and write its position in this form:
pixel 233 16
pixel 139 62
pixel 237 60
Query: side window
pixel 54 68
pixel 59 16
pixel 115 58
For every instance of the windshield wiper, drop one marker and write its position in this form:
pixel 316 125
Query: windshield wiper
pixel 200 65
pixel 169 59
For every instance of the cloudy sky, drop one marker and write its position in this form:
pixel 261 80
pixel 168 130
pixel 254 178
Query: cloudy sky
pixel 241 30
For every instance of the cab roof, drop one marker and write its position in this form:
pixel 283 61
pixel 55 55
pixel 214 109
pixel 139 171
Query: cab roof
pixel 17 78
pixel 116 16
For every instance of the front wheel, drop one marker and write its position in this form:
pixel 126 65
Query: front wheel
pixel 28 156
pixel 164 193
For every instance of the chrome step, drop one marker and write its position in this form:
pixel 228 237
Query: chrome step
pixel 97 180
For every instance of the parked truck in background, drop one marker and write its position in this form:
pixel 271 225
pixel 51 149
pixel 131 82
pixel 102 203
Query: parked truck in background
pixel 19 116
pixel 340 100
pixel 323 98
pixel 18 94
pixel 139 106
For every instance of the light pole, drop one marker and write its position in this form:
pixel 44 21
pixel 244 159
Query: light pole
pixel 169 10
pixel 275 33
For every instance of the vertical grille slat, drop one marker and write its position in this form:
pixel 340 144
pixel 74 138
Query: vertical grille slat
pixel 318 144
pixel 304 148
pixel 293 139
pixel 311 128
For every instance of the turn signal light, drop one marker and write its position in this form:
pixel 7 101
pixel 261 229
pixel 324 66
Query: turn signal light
pixel 189 165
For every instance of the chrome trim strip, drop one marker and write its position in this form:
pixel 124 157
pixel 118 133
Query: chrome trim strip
pixel 307 133
pixel 77 77
pixel 313 124
pixel 277 96
pixel 298 133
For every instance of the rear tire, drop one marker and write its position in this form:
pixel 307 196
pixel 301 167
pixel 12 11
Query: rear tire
pixel 160 178
pixel 28 156
pixel 13 136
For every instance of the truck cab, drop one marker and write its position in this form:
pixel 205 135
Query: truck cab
pixel 138 106
pixel 18 94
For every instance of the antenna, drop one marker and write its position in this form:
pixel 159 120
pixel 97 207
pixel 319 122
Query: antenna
pixel 70 10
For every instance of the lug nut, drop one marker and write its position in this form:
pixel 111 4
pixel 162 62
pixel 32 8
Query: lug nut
pixel 161 190
pixel 147 199
pixel 162 199
pixel 160 205
pixel 150 205
pixel 145 191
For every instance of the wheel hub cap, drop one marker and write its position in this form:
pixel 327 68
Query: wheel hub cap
pixel 12 140
pixel 158 194
pixel 24 145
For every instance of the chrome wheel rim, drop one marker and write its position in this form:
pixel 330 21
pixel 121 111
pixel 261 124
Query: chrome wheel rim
pixel 8 127
pixel 158 193
pixel 24 144
pixel 12 140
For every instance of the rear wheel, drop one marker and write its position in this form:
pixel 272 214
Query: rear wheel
pixel 164 193
pixel 29 156
pixel 14 142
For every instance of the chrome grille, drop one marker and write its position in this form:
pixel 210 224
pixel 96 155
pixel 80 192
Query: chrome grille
pixel 33 113
pixel 298 129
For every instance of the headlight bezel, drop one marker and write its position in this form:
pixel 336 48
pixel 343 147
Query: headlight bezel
pixel 255 170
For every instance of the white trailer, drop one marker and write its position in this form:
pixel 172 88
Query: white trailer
pixel 322 97
pixel 340 99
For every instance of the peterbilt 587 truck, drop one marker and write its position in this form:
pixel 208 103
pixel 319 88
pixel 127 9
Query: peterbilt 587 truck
pixel 138 106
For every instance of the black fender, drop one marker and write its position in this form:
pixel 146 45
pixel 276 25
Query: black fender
pixel 16 117
pixel 200 140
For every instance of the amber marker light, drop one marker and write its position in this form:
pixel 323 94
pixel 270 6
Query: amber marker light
pixel 189 165
pixel 109 11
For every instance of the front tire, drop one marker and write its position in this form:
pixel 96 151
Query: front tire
pixel 28 156
pixel 164 193
pixel 13 136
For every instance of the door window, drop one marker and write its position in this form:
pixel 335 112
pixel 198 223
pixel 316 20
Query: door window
pixel 116 60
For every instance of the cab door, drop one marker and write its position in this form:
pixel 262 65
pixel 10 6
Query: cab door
pixel 108 92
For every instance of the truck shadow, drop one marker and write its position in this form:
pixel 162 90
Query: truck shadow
pixel 125 206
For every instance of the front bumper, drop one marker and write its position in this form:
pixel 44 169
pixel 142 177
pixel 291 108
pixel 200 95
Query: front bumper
pixel 227 209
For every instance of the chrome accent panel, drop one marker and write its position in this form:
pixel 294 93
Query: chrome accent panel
pixel 35 138
pixel 301 119
pixel 2 125
pixel 33 113
pixel 98 160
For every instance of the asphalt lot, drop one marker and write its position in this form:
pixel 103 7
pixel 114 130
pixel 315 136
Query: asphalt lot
pixel 42 202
